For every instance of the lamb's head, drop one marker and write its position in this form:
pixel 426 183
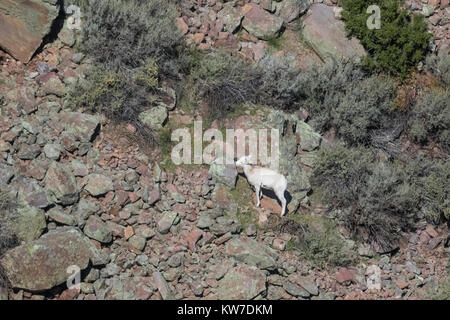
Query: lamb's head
pixel 245 160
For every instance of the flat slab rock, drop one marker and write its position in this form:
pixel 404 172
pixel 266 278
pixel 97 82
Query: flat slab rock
pixel 327 36
pixel 24 24
pixel 42 264
pixel 243 282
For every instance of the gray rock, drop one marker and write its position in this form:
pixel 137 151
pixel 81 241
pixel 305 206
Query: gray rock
pixel 308 285
pixel 204 221
pixel 98 184
pixel 309 139
pixel 82 126
pixel 61 185
pixel 52 151
pixel 7 173
pixel 166 221
pixel 295 290
pixel 327 36
pixel 253 253
pixel 242 283
pixel 261 24
pixel 411 267
pixel 96 229
pixel 43 264
pixel 22 220
pixel 224 174
pixel 162 286
pixel 290 10
pixel 29 152
pixel 59 216
pixel 137 242
pixel 155 117
pixel 231 16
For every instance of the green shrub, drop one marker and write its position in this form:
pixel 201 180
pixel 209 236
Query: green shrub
pixel 359 107
pixel 429 180
pixel 119 95
pixel 364 193
pixel 364 111
pixel 443 292
pixel 401 42
pixel 279 83
pixel 323 248
pixel 322 88
pixel 440 67
pixel 122 34
pixel 430 119
pixel 224 82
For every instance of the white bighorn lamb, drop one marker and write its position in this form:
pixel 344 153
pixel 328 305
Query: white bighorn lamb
pixel 260 177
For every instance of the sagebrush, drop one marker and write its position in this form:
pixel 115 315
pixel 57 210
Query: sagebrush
pixel 430 119
pixel 122 34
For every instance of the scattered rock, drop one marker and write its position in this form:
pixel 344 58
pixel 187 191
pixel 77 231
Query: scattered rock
pixel 96 229
pixel 251 252
pixel 61 184
pixel 242 283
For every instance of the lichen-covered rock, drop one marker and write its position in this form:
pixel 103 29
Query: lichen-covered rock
pixel 309 139
pixel 82 126
pixel 327 36
pixel 6 172
pixel 242 283
pixel 129 288
pixel 166 221
pixel 96 229
pixel 61 184
pixel 261 23
pixel 98 184
pixel 290 10
pixel 22 220
pixel 43 264
pixel 224 174
pixel 251 252
pixel 24 24
pixel 231 17
pixel 155 117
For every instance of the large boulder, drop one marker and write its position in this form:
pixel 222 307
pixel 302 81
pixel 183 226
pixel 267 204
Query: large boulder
pixel 43 264
pixel 251 252
pixel 261 23
pixel 327 36
pixel 24 24
pixel 242 283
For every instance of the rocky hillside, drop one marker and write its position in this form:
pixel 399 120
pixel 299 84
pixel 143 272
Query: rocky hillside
pixel 81 191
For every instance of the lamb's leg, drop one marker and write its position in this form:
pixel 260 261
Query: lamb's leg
pixel 280 195
pixel 258 191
